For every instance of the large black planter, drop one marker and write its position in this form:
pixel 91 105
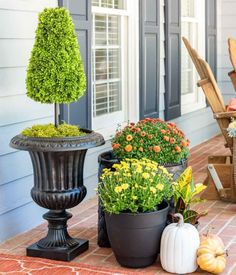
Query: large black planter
pixel 135 238
pixel 58 185
pixel 106 160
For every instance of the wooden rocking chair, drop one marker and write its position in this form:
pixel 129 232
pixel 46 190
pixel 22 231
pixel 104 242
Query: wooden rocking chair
pixel 212 93
pixel 208 83
pixel 232 55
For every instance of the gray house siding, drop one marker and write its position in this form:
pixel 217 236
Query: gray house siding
pixel 19 20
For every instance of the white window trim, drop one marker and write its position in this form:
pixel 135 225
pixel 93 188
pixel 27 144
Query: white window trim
pixel 195 101
pixel 107 124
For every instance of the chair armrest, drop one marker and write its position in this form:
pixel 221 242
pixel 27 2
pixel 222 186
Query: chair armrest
pixel 231 73
pixel 225 114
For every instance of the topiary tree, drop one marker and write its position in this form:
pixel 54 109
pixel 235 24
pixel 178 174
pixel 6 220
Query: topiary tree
pixel 55 72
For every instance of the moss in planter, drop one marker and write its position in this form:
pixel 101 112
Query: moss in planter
pixel 50 131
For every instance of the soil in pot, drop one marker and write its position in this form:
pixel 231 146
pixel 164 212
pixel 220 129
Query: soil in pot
pixel 135 238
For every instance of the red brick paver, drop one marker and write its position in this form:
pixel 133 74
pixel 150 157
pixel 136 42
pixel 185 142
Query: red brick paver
pixel 221 216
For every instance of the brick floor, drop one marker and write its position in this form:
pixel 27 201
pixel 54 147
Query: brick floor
pixel 221 216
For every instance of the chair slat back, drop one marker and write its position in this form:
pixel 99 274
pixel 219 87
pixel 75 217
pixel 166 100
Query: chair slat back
pixel 215 98
pixel 232 51
pixel 194 56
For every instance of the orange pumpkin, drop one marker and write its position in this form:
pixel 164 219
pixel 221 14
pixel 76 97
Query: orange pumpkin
pixel 211 255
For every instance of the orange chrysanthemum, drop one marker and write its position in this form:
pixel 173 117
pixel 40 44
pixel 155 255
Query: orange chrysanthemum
pixel 128 148
pixel 163 131
pixel 115 145
pixel 166 138
pixel 141 149
pixel 172 140
pixel 156 149
pixel 129 137
pixel 150 136
pixel 143 134
pixel 177 149
pixel 184 143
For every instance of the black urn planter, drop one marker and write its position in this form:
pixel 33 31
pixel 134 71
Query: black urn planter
pixel 135 238
pixel 106 160
pixel 58 185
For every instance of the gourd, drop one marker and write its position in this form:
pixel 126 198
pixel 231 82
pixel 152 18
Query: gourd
pixel 179 244
pixel 211 254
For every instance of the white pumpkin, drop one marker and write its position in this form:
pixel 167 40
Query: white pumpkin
pixel 179 244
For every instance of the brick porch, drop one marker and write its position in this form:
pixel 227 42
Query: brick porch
pixel 222 216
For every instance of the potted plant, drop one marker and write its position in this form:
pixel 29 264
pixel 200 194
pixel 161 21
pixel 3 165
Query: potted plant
pixel 134 197
pixel 56 75
pixel 185 195
pixel 151 138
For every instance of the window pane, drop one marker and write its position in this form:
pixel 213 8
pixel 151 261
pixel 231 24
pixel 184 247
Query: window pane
pixel 111 4
pixel 113 30
pixel 107 3
pixel 100 30
pixel 114 63
pixel 95 2
pixel 106 64
pixel 187 8
pixel 101 64
pixel 188 76
pixel 101 100
pixel 114 97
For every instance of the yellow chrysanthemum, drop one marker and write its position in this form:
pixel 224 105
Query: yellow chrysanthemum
pixel 145 175
pixel 118 189
pixel 125 186
pixel 139 169
pixel 153 190
pixel 160 186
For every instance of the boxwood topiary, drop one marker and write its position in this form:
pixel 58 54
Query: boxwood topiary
pixel 55 73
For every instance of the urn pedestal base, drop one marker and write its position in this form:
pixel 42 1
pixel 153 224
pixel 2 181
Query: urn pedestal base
pixel 60 254
pixel 58 244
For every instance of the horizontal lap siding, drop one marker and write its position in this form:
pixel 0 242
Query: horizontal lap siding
pixel 226 29
pixel 19 20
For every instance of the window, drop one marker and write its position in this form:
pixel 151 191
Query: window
pixel 111 62
pixel 193 28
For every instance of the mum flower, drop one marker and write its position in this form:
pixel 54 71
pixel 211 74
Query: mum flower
pixel 125 186
pixel 128 148
pixel 129 137
pixel 115 145
pixel 166 138
pixel 153 190
pixel 184 143
pixel 156 148
pixel 160 186
pixel 145 175
pixel 118 189
pixel 177 149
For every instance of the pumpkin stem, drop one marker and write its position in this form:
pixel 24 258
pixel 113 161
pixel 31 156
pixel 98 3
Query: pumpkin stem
pixel 181 219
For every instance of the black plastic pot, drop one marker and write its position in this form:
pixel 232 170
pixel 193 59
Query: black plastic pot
pixel 106 160
pixel 135 238
pixel 58 185
pixel 176 169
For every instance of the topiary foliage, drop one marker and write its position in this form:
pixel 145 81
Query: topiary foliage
pixel 55 73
